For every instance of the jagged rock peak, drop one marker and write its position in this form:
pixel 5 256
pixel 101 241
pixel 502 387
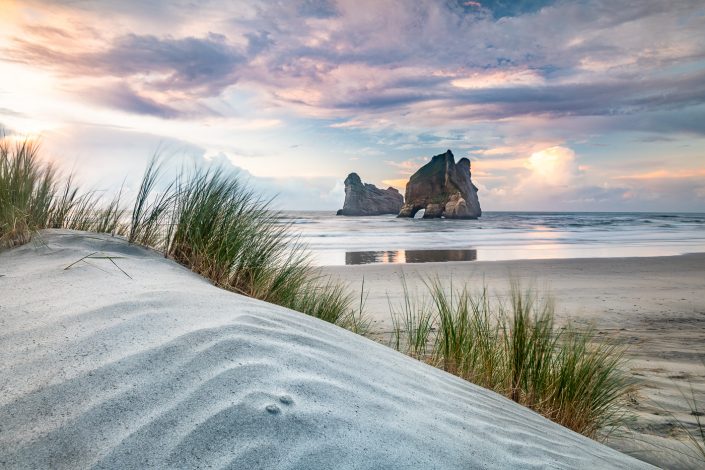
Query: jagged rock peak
pixel 442 188
pixel 368 199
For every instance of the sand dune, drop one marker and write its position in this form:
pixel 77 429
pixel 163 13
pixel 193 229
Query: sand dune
pixel 161 369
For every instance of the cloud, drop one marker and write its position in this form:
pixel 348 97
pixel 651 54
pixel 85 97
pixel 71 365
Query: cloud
pixel 398 183
pixel 547 176
pixel 167 69
pixel 318 8
pixel 367 63
pixel 408 167
pixel 287 193
pixel 204 66
pixel 10 112
pixel 388 80
pixel 122 97
pixel 607 98
pixel 503 8
pixel 488 165
pixel 499 79
pixel 554 179
pixel 431 66
pixel 665 174
pixel 258 42
pixel 554 166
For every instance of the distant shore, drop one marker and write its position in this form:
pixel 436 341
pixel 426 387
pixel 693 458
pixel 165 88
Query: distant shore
pixel 653 305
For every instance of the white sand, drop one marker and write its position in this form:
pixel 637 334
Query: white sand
pixel 165 370
pixel 655 306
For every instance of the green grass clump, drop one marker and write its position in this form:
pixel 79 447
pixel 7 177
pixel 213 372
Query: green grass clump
pixel 32 198
pixel 26 192
pixel 149 213
pixel 515 348
pixel 206 220
pixel 225 231
pixel 110 218
pixel 212 223
pixel 412 323
pixel 694 449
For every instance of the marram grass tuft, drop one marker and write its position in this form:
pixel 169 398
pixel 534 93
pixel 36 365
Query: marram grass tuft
pixel 514 348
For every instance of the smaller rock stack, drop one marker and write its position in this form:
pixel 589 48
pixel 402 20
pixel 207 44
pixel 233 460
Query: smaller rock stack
pixel 367 199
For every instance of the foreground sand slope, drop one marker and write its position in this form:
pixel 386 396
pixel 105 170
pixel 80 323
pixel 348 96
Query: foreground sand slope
pixel 161 369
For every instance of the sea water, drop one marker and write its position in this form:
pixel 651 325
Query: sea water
pixel 338 240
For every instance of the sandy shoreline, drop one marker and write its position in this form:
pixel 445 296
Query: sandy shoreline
pixel 654 305
pixel 612 292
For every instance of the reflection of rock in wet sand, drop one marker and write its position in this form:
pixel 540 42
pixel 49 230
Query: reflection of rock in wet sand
pixel 409 256
pixel 432 256
pixel 369 257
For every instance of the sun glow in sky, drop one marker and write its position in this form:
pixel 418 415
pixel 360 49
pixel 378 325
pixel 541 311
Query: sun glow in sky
pixel 560 105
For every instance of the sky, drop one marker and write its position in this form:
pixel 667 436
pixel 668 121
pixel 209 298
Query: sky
pixel 560 105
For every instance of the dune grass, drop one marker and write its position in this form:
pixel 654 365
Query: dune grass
pixel 26 192
pixel 206 220
pixel 412 323
pixel 33 197
pixel 695 435
pixel 214 224
pixel 150 212
pixel 696 438
pixel 514 348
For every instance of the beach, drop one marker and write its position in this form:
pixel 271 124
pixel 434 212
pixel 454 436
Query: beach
pixel 115 357
pixel 331 234
pixel 654 306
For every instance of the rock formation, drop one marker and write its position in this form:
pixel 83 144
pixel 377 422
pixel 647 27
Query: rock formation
pixel 368 199
pixel 444 189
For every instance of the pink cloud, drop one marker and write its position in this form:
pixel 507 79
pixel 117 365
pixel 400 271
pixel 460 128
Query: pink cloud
pixel 664 174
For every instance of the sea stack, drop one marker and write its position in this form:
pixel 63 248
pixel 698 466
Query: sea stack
pixel 368 199
pixel 442 188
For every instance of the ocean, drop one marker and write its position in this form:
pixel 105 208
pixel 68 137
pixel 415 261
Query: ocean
pixel 338 240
